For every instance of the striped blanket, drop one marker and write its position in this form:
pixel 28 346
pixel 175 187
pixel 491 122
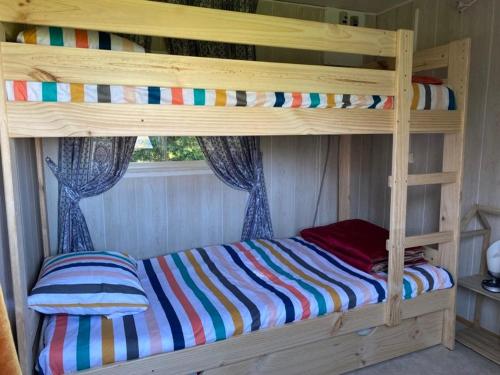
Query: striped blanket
pixel 208 294
pixel 424 96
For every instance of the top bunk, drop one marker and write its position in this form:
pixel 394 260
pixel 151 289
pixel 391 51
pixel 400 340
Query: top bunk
pixel 319 86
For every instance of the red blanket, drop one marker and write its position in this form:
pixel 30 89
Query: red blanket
pixel 357 242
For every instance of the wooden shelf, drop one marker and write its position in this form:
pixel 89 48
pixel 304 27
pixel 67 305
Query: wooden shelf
pixel 481 341
pixel 474 283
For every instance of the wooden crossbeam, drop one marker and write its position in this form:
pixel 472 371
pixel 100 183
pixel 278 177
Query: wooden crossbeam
pixel 179 21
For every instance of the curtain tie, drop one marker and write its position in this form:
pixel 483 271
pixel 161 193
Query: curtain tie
pixel 73 195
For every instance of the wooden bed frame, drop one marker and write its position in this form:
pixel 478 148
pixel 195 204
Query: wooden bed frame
pixel 329 344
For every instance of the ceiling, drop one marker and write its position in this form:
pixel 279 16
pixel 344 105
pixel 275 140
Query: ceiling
pixel 368 6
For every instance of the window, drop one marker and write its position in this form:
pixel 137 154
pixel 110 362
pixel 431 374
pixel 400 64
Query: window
pixel 159 149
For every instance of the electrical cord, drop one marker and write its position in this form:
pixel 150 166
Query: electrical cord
pixel 320 191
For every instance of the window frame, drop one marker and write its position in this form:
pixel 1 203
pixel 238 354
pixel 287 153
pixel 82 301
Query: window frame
pixel 167 168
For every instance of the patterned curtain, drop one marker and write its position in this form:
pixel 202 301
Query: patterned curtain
pixel 237 161
pixel 87 167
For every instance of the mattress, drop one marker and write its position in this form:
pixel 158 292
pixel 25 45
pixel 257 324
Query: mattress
pixel 209 294
pixel 424 96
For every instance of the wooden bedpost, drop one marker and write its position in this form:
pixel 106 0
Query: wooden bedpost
pixel 458 79
pixel 12 208
pixel 41 196
pixel 344 196
pixel 399 183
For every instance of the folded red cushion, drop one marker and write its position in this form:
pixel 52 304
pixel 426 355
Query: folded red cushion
pixel 427 80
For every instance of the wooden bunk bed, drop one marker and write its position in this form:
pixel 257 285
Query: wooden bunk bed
pixel 322 345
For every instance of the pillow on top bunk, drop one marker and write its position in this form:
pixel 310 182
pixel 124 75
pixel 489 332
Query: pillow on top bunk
pixel 89 283
pixel 66 37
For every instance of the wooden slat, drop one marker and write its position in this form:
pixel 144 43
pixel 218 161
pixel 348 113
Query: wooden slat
pixel 85 119
pixel 429 178
pixel 431 58
pixel 429 239
pixel 78 65
pixel 453 153
pixel 273 340
pixel 474 283
pixel 437 121
pixel 473 233
pixel 177 21
pixel 90 119
pixel 481 341
pixel 338 355
pixel 400 141
pixel 26 319
pixel 432 178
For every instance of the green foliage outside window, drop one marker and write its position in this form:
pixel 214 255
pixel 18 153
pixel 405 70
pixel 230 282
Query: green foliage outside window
pixel 170 149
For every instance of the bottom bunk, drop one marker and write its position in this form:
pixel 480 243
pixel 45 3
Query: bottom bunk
pixel 247 292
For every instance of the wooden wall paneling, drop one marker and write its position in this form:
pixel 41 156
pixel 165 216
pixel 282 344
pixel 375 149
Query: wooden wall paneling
pixel 380 166
pixel 307 180
pixel 194 204
pixel 295 183
pixel 477 127
pixel 344 165
pixel 489 182
pixel 95 215
pixel 327 212
pixel 5 279
pixel 416 194
pixel 120 213
pixel 50 148
pixel 151 221
pixel 233 211
pixel 289 10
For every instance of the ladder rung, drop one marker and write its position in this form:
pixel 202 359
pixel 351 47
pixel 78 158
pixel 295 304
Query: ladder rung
pixel 430 178
pixel 476 232
pixel 429 239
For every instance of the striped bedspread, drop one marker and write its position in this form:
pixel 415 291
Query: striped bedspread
pixel 208 294
pixel 424 96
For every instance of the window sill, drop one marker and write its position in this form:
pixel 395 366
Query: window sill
pixel 167 168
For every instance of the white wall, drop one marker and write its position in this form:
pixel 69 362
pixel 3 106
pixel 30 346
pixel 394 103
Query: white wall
pixel 439 23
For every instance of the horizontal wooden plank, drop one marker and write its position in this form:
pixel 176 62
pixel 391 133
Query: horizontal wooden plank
pixel 429 239
pixel 338 355
pixel 437 121
pixel 474 283
pixel 430 178
pixel 272 340
pixel 78 65
pixel 177 21
pixel 29 119
pixel 481 341
pixel 431 58
pixel 475 232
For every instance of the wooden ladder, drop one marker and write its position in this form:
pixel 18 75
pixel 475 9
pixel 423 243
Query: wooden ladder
pixel 450 179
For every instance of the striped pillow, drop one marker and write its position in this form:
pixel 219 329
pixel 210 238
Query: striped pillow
pixel 89 283
pixel 66 37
